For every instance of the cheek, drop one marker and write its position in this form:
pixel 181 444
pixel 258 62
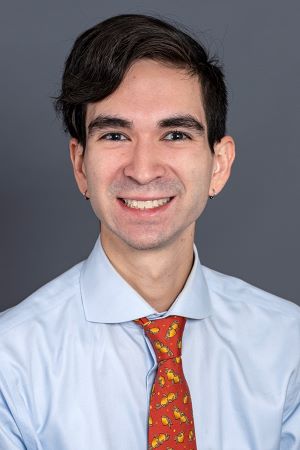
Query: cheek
pixel 198 173
pixel 98 172
pixel 105 164
pixel 198 183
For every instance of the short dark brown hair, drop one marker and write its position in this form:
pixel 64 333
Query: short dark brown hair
pixel 102 55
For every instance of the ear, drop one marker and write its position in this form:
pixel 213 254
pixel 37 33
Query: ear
pixel 224 154
pixel 77 158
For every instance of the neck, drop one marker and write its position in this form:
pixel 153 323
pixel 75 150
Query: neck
pixel 158 275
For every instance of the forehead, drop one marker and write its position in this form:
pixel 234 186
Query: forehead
pixel 151 90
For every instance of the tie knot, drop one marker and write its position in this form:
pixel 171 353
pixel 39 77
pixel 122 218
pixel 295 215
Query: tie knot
pixel 165 335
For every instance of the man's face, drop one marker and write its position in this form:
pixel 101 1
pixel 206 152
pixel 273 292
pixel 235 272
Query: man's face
pixel 147 164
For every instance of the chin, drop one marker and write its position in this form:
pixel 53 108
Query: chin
pixel 148 241
pixel 145 244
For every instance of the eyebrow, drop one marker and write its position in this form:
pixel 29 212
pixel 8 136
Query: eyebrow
pixel 185 121
pixel 101 122
pixel 178 121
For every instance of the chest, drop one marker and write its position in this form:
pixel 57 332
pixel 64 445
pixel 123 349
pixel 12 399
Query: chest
pixel 98 396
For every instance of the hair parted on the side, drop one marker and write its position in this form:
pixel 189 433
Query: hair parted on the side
pixel 102 55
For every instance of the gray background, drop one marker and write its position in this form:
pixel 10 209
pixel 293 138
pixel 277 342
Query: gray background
pixel 251 230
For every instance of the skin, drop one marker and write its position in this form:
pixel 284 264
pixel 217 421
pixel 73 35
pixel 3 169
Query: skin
pixel 152 249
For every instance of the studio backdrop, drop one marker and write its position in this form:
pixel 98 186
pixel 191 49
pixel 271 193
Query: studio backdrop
pixel 250 230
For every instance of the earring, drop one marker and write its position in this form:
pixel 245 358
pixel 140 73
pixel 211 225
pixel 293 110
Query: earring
pixel 212 196
pixel 85 196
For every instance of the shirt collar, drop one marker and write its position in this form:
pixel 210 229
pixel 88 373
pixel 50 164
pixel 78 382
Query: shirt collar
pixel 108 298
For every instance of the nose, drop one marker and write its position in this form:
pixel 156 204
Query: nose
pixel 145 163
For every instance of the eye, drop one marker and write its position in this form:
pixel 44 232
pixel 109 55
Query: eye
pixel 113 137
pixel 176 136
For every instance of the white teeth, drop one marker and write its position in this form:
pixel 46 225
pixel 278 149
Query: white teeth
pixel 148 204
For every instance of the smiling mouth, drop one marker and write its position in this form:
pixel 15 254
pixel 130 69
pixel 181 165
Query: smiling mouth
pixel 146 204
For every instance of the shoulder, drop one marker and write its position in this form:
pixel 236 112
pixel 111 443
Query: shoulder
pixel 32 337
pixel 42 304
pixel 249 315
pixel 237 292
pixel 259 325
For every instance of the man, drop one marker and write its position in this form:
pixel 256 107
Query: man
pixel 93 359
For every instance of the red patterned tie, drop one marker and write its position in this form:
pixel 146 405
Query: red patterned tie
pixel 171 423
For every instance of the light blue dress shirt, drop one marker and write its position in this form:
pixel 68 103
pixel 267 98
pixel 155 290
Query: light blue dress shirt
pixel 76 371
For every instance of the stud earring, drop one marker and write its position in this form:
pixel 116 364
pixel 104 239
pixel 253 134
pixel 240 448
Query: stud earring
pixel 212 196
pixel 85 196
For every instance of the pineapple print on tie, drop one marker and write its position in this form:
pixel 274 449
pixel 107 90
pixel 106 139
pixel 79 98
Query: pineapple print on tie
pixel 171 423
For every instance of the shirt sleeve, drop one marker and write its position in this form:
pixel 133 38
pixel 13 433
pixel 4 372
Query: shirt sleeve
pixel 290 434
pixel 16 430
pixel 10 436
